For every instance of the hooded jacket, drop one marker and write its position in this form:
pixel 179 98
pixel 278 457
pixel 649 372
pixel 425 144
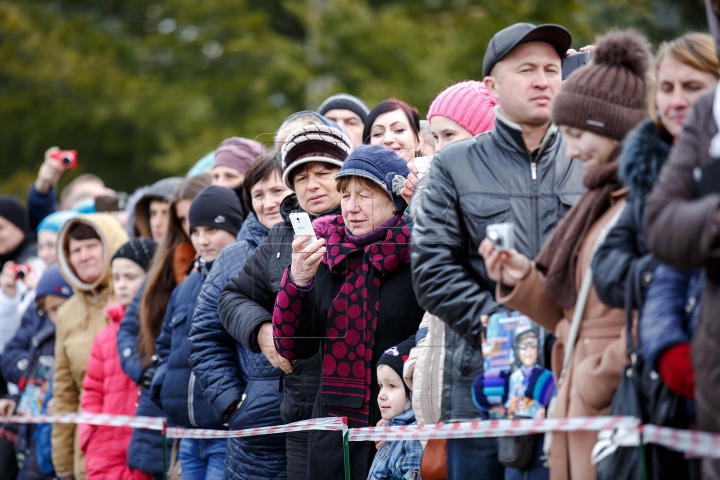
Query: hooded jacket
pixel 107 390
pixel 79 320
pixel 624 252
pixel 491 178
pixel 161 190
pixel 228 372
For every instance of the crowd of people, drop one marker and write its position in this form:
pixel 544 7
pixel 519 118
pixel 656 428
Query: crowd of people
pixel 507 257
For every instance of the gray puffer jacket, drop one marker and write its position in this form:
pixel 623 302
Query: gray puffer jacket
pixel 491 178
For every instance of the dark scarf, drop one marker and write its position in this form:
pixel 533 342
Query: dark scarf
pixel 353 315
pixel 558 258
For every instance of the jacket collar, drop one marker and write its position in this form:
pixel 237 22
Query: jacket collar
pixel 252 231
pixel 290 205
pixel 405 418
pixel 510 133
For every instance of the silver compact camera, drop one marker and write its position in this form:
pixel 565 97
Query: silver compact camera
pixel 501 235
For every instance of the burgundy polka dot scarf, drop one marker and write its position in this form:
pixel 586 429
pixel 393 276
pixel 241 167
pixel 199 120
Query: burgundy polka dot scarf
pixel 353 315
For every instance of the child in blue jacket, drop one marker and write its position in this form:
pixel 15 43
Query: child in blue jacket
pixel 398 459
pixel 215 217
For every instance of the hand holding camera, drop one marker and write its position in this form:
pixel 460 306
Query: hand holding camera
pixel 56 162
pixel 11 273
pixel 502 262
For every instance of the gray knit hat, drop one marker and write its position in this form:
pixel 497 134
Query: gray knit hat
pixel 609 96
pixel 344 101
pixel 313 143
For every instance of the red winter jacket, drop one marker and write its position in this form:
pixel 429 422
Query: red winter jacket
pixel 107 389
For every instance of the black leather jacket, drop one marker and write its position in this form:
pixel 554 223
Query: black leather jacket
pixel 491 178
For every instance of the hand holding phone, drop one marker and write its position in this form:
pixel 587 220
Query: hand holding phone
pixel 303 226
pixel 574 61
pixel 67 158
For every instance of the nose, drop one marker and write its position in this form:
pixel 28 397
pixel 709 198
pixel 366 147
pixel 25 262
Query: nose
pixel 678 98
pixel 353 205
pixel 388 138
pixel 572 150
pixel 541 80
pixel 313 184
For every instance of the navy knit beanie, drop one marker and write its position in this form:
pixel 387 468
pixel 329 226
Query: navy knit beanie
pixel 12 211
pixel 140 250
pixel 217 207
pixel 395 357
pixel 380 165
pixel 53 283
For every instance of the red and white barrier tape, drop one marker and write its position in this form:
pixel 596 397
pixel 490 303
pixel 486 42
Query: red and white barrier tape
pixel 700 444
pixel 693 442
pixel 489 428
pixel 150 423
pixel 333 424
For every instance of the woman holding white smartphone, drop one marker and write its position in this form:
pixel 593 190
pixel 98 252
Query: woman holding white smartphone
pixel 312 155
pixel 350 295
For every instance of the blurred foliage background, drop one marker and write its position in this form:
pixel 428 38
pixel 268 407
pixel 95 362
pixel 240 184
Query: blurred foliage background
pixel 143 90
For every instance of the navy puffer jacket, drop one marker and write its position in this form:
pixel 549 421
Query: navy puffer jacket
pixel 670 312
pixel 14 360
pixel 145 451
pixel 227 371
pixel 174 387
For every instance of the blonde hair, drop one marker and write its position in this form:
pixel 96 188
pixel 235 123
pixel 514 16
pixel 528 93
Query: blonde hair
pixel 696 50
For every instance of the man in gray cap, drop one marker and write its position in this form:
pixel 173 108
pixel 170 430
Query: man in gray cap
pixel 347 111
pixel 518 173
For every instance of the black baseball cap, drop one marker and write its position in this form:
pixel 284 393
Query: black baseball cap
pixel 508 38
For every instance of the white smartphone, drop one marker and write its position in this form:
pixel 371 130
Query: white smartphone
pixel 303 226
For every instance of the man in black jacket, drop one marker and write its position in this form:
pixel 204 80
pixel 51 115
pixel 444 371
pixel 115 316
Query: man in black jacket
pixel 312 156
pixel 519 173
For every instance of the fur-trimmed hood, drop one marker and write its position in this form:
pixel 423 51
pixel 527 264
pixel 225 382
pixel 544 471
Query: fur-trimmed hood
pixel 645 149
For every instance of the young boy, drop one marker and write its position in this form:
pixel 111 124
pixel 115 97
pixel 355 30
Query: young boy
pixel 396 459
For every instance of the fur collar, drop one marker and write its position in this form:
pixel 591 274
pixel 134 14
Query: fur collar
pixel 645 149
pixel 322 224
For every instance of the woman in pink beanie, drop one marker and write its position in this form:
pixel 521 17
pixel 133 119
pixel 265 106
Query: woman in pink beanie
pixel 461 111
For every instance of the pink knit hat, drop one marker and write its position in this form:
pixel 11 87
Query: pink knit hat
pixel 467 103
pixel 238 153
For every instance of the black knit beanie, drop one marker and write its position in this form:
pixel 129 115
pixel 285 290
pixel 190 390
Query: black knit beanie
pixel 14 212
pixel 344 101
pixel 217 207
pixel 140 250
pixel 609 96
pixel 395 357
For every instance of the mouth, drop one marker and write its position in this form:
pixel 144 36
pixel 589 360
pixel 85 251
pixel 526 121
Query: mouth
pixel 315 198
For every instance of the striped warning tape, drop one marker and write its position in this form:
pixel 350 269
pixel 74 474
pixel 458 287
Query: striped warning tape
pixel 150 423
pixel 336 424
pixel 696 443
pixel 693 442
pixel 489 428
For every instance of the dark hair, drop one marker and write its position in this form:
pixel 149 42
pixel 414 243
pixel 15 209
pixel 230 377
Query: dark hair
pixel 390 105
pixel 82 231
pixel 259 170
pixel 161 278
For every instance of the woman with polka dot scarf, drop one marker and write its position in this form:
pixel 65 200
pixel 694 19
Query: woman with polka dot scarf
pixel 350 295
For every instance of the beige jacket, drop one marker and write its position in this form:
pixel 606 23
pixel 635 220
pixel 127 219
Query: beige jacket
pixel 597 361
pixel 79 320
pixel 423 371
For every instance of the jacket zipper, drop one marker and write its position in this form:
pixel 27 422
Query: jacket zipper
pixel 191 407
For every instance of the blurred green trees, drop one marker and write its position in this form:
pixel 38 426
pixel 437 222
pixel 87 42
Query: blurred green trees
pixel 143 90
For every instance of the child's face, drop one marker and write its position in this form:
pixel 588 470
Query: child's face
pixel 209 241
pixel 528 348
pixel 128 277
pixel 391 399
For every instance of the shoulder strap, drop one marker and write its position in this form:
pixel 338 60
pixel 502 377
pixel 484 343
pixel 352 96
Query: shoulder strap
pixel 582 297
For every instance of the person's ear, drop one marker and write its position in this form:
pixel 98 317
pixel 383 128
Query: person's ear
pixel 491 84
pixel 421 144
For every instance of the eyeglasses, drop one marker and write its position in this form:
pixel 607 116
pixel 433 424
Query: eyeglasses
pixel 527 345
